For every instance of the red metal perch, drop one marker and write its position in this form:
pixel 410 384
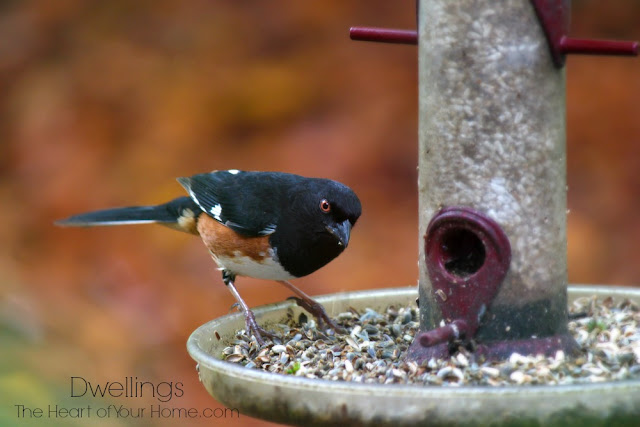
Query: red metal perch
pixel 555 27
pixel 597 47
pixel 554 16
pixel 383 35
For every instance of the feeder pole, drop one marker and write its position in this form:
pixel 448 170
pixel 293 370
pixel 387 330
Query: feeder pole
pixel 492 139
pixel 492 180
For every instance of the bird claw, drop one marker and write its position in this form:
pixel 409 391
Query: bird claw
pixel 255 330
pixel 318 311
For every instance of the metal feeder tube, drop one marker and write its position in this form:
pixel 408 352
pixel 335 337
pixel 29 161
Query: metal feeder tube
pixel 492 137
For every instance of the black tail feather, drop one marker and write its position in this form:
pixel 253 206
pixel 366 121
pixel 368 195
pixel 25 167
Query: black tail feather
pixel 167 214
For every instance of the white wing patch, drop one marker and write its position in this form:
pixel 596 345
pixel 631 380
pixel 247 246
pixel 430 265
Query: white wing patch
pixel 216 211
pixel 194 198
pixel 233 171
pixel 269 229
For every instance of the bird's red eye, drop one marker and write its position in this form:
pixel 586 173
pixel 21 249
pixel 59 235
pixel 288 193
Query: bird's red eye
pixel 325 206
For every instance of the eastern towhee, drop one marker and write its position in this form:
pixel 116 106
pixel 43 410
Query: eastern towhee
pixel 267 225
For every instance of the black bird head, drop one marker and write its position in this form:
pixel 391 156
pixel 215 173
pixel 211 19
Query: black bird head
pixel 333 205
pixel 316 225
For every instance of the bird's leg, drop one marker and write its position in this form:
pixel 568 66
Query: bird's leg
pixel 250 320
pixel 313 307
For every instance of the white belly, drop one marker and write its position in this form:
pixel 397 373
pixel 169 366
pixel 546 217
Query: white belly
pixel 266 268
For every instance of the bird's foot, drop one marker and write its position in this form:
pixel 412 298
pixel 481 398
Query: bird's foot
pixel 318 311
pixel 255 330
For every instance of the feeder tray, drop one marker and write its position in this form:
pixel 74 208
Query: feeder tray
pixel 295 400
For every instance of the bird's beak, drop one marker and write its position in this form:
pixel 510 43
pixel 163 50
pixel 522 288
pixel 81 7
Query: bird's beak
pixel 341 231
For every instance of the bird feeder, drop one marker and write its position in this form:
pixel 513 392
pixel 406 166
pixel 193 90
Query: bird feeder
pixel 492 181
pixel 492 233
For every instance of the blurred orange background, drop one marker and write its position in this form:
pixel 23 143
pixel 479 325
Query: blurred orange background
pixel 105 103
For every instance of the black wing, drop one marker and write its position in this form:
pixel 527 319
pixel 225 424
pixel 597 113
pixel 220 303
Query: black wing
pixel 246 202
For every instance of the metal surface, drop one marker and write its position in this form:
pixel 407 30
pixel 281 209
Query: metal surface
pixel 492 137
pixel 598 47
pixel 384 35
pixel 555 17
pixel 302 401
pixel 467 257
